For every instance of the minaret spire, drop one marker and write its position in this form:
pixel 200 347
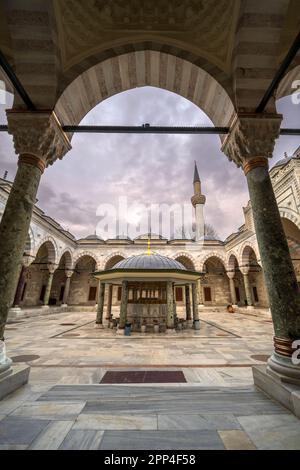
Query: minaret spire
pixel 198 201
pixel 196 182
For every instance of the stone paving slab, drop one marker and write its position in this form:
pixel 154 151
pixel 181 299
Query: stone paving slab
pixel 49 410
pixel 197 422
pixel 115 422
pixel 82 440
pixel 236 440
pixel 52 436
pixel 159 440
pixel 19 431
pixel 273 431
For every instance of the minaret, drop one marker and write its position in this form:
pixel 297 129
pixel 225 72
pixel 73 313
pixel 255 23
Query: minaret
pixel 198 201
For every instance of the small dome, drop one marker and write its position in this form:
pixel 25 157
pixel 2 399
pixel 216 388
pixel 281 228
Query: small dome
pixel 153 236
pixel 149 262
pixel 286 160
pixel 93 237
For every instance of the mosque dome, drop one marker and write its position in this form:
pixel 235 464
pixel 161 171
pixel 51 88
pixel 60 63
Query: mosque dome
pixel 286 159
pixel 153 261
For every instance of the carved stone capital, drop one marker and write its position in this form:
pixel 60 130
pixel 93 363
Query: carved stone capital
pixel 27 260
pixel 245 270
pixel 252 136
pixel 38 134
pixel 51 267
pixel 68 273
pixel 230 274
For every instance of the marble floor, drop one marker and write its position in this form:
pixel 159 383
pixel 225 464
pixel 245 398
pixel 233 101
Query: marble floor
pixel 64 406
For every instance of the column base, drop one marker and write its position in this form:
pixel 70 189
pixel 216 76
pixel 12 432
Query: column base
pixel 283 370
pixel 45 306
pixel 12 378
pixel 13 314
pixel 170 331
pixel 99 326
pixel 201 305
pixel 64 305
pixel 235 306
pixel 5 366
pixel 271 384
pixel 197 325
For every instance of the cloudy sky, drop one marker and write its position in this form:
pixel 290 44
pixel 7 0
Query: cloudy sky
pixel 147 169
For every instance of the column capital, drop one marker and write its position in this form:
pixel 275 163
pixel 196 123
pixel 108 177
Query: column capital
pixel 38 137
pixel 51 267
pixel 27 260
pixel 230 274
pixel 245 270
pixel 68 273
pixel 251 139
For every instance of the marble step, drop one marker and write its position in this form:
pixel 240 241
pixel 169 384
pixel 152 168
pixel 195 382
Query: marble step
pixel 133 399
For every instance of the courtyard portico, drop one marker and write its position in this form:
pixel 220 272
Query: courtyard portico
pixel 234 60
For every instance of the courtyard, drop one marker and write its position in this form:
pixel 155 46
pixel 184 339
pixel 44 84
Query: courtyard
pixel 76 397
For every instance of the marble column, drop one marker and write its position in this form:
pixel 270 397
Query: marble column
pixel 123 307
pixel 170 306
pixel 250 143
pixel 196 319
pixel 109 303
pixel 99 317
pixel 232 288
pixel 20 287
pixel 200 293
pixel 38 140
pixel 248 289
pixel 51 268
pixel 188 304
pixel 67 288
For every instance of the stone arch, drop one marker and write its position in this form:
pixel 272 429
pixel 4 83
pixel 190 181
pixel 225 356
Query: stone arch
pixel 29 245
pixel 85 253
pixel 68 258
pixel 51 247
pixel 144 68
pixel 108 262
pixel 186 259
pixel 285 87
pixel 288 214
pixel 212 254
pixel 245 252
pixel 232 256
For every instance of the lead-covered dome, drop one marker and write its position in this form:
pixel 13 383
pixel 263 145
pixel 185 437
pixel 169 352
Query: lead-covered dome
pixel 149 262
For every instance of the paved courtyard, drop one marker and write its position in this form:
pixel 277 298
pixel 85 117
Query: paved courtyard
pixel 64 406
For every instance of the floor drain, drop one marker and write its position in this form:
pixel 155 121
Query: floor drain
pixel 68 324
pixel 143 376
pixel 25 358
pixel 260 357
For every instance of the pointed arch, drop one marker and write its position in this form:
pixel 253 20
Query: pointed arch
pixel 116 256
pixel 144 68
pixel 212 254
pixel 186 259
pixel 231 258
pixel 68 258
pixel 245 251
pixel 81 254
pixel 51 247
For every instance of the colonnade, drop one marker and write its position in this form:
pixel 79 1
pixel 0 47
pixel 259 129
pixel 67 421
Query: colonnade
pixel 39 140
